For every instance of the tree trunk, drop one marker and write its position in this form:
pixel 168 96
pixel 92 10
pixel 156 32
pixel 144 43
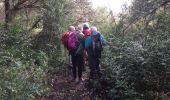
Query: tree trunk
pixel 7 13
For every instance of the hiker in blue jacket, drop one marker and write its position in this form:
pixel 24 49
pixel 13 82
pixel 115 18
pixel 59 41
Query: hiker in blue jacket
pixel 94 46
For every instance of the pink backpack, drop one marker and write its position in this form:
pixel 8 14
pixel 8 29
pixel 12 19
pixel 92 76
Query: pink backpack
pixel 72 41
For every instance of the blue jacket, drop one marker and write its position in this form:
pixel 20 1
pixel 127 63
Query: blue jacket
pixel 89 39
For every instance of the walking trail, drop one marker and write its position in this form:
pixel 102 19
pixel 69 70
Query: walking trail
pixel 64 89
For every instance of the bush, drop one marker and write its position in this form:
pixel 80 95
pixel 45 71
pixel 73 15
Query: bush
pixel 22 70
pixel 139 68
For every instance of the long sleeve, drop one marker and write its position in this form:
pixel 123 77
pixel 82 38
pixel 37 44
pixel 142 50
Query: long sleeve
pixel 103 40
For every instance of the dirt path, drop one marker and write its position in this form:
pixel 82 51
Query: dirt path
pixel 64 89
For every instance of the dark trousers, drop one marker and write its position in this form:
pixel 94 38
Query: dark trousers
pixel 77 61
pixel 94 62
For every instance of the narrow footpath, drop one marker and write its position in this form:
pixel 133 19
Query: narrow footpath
pixel 64 89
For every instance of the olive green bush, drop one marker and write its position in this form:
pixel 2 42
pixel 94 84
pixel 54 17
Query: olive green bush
pixel 22 70
pixel 138 69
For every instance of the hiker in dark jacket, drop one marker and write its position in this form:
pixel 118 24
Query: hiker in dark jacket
pixel 94 45
pixel 77 56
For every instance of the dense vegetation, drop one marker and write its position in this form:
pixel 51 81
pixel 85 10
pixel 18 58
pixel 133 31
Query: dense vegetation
pixel 136 67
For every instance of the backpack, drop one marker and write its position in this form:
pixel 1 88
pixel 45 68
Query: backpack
pixel 72 41
pixel 80 45
pixel 96 45
pixel 64 39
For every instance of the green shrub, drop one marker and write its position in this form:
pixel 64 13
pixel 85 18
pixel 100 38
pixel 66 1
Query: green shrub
pixel 22 70
pixel 139 68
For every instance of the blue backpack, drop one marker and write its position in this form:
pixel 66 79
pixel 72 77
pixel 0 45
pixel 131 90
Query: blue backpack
pixel 94 44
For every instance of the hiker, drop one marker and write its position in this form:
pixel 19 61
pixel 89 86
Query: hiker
pixel 76 44
pixel 86 30
pixel 94 45
pixel 87 33
pixel 64 40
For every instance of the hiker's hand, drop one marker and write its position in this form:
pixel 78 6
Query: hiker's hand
pixel 112 46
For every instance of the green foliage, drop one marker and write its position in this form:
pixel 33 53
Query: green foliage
pixel 138 69
pixel 103 20
pixel 55 13
pixel 22 70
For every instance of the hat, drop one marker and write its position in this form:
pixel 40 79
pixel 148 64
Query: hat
pixel 94 29
pixel 86 25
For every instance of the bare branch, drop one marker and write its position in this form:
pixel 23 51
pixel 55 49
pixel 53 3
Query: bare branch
pixel 21 5
pixel 35 24
pixel 18 4
pixel 150 13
